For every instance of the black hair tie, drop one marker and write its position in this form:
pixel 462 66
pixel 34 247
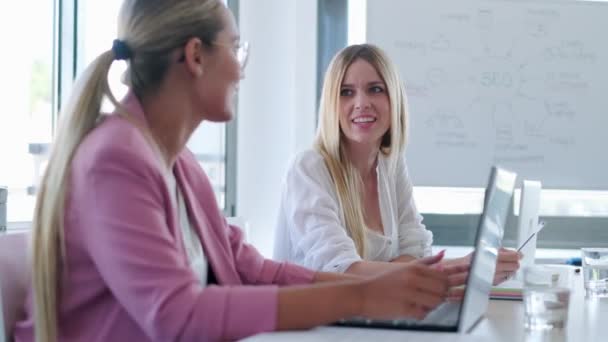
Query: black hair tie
pixel 121 50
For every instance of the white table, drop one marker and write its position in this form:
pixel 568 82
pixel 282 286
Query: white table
pixel 587 321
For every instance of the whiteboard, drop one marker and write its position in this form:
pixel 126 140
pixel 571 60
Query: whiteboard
pixel 521 84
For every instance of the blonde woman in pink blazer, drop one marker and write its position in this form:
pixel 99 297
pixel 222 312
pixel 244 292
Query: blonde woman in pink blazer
pixel 128 241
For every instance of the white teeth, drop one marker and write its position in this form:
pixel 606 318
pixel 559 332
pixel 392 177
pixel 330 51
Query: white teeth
pixel 361 120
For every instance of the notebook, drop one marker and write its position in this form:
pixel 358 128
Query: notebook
pixel 508 290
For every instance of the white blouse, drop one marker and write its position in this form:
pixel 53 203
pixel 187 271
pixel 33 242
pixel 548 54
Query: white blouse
pixel 311 229
pixel 192 243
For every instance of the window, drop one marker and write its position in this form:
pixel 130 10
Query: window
pixel 26 119
pixel 356 21
pixel 97 31
pixel 38 71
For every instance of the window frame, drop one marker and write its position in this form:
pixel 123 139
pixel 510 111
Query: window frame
pixel 63 70
pixel 230 170
pixel 65 58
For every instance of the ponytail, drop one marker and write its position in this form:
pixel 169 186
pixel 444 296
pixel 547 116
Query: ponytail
pixel 78 118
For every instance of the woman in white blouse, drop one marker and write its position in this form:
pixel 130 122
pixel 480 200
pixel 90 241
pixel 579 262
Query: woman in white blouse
pixel 347 204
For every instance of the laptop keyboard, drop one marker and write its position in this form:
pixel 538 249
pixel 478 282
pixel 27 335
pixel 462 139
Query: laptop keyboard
pixel 444 315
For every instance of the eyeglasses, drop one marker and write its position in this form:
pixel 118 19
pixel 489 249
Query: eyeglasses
pixel 240 50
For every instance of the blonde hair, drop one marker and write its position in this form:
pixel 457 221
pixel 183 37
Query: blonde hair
pixel 329 140
pixel 152 30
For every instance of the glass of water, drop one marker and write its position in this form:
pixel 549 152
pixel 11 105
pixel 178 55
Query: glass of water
pixel 595 271
pixel 546 297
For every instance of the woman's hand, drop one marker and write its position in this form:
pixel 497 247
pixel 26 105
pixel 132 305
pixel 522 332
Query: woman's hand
pixel 411 290
pixel 506 265
pixel 456 269
pixel 458 272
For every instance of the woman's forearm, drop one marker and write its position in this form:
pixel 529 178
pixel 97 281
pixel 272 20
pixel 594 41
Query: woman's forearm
pixel 306 307
pixel 393 292
pixel 321 277
pixel 404 258
pixel 370 268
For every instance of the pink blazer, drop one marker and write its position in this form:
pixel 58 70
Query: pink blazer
pixel 127 276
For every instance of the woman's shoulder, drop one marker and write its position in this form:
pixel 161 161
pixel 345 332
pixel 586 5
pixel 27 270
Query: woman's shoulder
pixel 308 166
pixel 309 160
pixel 114 139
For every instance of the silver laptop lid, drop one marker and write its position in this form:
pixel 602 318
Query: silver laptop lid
pixel 497 200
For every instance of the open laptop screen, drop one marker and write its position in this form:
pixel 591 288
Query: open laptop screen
pixel 489 240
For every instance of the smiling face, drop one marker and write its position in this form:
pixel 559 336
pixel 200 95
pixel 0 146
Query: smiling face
pixel 364 105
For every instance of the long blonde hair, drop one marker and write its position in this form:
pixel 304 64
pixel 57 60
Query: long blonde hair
pixel 329 140
pixel 152 30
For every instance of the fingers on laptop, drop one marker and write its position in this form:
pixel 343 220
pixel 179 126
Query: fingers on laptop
pixel 428 300
pixel 421 289
pixel 417 312
pixel 458 279
pixel 432 260
pixel 457 273
pixel 430 286
pixel 456 294
pixel 413 284
pixel 432 280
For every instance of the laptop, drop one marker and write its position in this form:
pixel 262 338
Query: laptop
pixel 463 316
pixel 529 205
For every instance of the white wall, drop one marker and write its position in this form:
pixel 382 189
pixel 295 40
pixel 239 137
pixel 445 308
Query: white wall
pixel 276 109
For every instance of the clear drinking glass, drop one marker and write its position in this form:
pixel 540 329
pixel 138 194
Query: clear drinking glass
pixel 595 271
pixel 546 297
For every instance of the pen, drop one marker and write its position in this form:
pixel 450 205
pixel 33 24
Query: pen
pixel 541 225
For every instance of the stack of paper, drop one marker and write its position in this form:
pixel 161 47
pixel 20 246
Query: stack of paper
pixel 509 290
